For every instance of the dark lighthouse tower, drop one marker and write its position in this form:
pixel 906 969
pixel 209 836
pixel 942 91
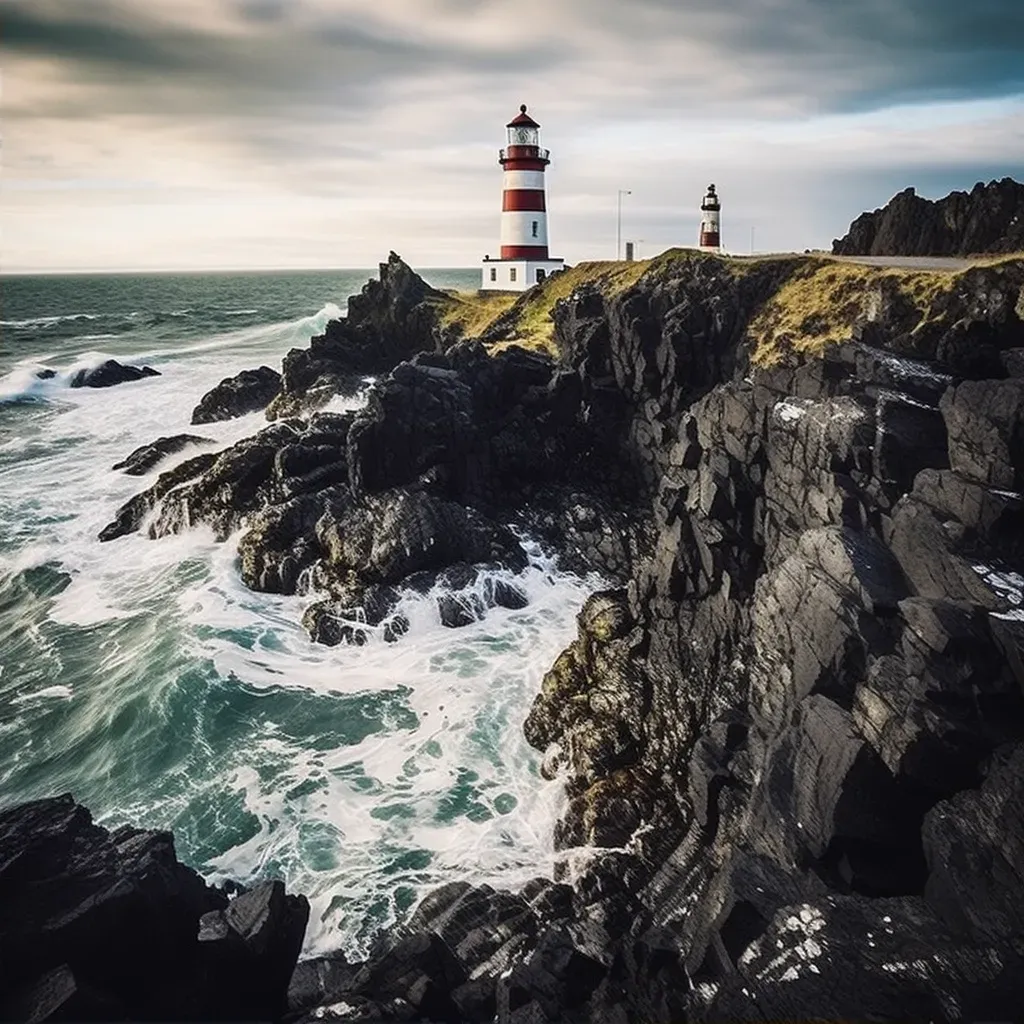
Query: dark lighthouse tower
pixel 710 225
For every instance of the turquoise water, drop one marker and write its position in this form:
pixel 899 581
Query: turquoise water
pixel 142 677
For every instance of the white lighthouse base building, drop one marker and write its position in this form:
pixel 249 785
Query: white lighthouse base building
pixel 516 275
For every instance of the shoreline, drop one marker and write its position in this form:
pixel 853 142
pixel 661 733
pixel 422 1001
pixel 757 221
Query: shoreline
pixel 764 461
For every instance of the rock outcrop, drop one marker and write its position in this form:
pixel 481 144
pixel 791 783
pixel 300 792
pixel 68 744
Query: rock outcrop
pixel 107 374
pixel 148 456
pixel 790 729
pixel 807 701
pixel 410 493
pixel 392 319
pixel 101 925
pixel 246 392
pixel 988 219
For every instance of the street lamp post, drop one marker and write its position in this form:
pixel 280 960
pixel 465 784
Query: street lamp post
pixel 618 223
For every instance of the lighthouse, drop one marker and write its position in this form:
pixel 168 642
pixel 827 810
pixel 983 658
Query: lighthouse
pixel 710 228
pixel 524 259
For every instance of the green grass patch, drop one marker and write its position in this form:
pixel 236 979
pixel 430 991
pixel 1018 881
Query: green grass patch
pixel 819 304
pixel 503 319
pixel 803 302
pixel 473 312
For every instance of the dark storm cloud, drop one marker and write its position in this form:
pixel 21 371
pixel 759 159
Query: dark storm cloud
pixel 206 72
pixel 264 10
pixel 855 54
pixel 97 34
pixel 809 55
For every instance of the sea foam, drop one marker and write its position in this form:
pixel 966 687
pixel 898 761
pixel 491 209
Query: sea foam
pixel 151 683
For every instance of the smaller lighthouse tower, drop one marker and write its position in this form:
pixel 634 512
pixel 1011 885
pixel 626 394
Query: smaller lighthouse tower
pixel 524 257
pixel 710 226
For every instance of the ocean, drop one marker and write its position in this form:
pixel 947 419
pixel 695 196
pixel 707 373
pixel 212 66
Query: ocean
pixel 142 677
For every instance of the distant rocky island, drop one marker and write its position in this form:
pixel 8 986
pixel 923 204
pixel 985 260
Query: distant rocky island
pixel 988 219
pixel 791 726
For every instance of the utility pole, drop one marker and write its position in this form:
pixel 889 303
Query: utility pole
pixel 618 222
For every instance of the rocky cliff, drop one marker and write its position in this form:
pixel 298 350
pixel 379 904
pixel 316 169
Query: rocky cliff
pixel 988 219
pixel 798 728
pixel 791 728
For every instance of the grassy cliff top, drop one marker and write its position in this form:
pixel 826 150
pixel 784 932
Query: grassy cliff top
pixel 822 300
pixel 502 319
pixel 812 300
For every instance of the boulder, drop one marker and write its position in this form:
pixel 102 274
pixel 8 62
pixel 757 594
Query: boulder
pixel 556 979
pixel 484 928
pixel 279 544
pixel 144 458
pixel 240 481
pixel 249 949
pixel 959 540
pixel 384 538
pixel 110 373
pixel 420 971
pixel 131 515
pixel 420 419
pixel 320 981
pixel 246 392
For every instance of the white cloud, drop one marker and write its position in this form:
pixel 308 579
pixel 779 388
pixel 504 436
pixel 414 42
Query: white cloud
pixel 254 132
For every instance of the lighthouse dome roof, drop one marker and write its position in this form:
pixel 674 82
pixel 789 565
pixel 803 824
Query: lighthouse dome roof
pixel 522 120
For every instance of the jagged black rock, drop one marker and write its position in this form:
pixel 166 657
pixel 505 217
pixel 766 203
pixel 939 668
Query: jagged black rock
pixel 791 729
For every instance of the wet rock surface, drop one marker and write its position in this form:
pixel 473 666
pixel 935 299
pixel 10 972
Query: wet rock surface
pixel 235 396
pixel 143 459
pixel 390 320
pixel 790 726
pixel 110 373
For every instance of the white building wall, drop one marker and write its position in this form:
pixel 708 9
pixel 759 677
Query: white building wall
pixel 517 227
pixel 524 179
pixel 524 272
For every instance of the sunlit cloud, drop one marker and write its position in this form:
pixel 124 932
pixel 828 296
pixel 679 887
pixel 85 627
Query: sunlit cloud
pixel 197 133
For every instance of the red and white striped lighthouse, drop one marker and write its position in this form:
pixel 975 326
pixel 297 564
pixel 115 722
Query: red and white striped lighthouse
pixel 710 227
pixel 524 257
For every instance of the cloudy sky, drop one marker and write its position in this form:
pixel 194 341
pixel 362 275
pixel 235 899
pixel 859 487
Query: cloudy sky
pixel 321 133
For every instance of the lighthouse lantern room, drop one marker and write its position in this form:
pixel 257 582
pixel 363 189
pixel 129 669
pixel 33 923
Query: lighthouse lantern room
pixel 710 226
pixel 524 259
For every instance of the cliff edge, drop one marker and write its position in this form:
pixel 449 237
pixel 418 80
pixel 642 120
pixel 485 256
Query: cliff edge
pixel 791 726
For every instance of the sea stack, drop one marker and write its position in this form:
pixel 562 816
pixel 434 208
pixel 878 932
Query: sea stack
pixel 524 259
pixel 710 229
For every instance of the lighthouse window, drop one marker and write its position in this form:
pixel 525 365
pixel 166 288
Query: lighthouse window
pixel 540 274
pixel 511 273
pixel 534 229
pixel 523 137
pixel 494 273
